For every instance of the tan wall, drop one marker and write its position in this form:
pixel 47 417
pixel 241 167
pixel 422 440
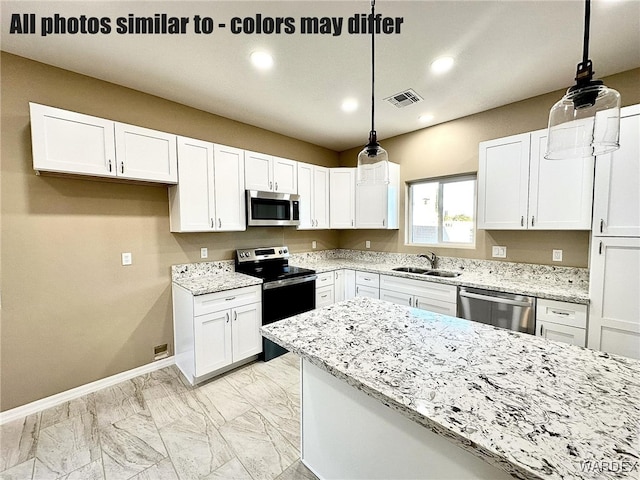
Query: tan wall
pixel 452 148
pixel 71 314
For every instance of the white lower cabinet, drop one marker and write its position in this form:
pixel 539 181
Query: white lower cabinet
pixel 425 295
pixel 325 289
pixel 367 285
pixel 339 286
pixel 562 321
pixel 349 284
pixel 215 331
pixel 614 313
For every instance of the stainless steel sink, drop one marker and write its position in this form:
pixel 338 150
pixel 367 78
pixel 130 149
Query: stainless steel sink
pixel 442 273
pixel 411 270
pixel 426 271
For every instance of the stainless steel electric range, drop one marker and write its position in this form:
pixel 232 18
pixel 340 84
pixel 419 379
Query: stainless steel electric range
pixel 286 291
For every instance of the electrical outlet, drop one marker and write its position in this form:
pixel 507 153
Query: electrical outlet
pixel 160 351
pixel 314 244
pixel 204 252
pixel 367 244
pixel 498 251
pixel 557 256
pixel 127 259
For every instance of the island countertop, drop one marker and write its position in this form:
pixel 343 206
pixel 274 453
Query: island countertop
pixel 535 408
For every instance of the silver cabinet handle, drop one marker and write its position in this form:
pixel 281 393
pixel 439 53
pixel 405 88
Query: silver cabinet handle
pixel 324 296
pixel 409 301
pixel 212 224
pixel 229 299
pixel 227 317
pixel 383 222
pixel 540 329
pixel 533 219
pixel 600 249
pixel 121 167
pixel 276 186
pixel 336 274
pixel 352 223
pixel 357 289
pixel 270 185
pixel 111 169
pixel 219 223
pixel 522 221
pixel 235 316
pixel 556 312
pixel 506 301
pixel 601 223
pixel 417 303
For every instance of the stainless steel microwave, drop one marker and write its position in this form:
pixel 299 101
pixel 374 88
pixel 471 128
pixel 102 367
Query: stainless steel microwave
pixel 269 209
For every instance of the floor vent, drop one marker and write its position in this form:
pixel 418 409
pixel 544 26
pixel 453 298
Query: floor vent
pixel 404 99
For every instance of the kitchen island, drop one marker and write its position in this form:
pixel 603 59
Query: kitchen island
pixel 394 392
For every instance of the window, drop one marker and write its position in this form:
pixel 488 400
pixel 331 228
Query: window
pixel 442 211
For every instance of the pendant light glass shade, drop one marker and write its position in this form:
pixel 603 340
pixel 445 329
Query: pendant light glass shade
pixel 373 163
pixel 586 121
pixel 373 160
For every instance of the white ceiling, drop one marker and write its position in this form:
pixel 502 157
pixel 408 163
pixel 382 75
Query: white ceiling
pixel 505 51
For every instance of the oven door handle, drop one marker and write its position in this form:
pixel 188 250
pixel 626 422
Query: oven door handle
pixel 288 281
pixel 487 298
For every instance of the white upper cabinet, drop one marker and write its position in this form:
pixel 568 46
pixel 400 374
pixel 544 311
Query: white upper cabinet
pixel 210 193
pixel 342 197
pixel 519 189
pixel 377 206
pixel 313 188
pixel 70 142
pixel 503 182
pixel 270 174
pixel 560 191
pixel 229 188
pixel 144 154
pixel 616 208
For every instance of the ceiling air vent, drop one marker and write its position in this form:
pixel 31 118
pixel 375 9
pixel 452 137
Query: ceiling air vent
pixel 404 99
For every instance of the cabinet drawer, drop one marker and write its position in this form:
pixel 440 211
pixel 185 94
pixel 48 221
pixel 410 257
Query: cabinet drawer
pixel 436 306
pixel 563 313
pixel 324 296
pixel 368 279
pixel 364 291
pixel 213 302
pixel 325 279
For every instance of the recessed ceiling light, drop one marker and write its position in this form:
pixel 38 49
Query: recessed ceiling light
pixel 349 105
pixel 262 60
pixel 426 118
pixel 442 65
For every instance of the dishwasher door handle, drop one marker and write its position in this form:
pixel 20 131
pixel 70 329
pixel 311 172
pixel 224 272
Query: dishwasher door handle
pixel 488 298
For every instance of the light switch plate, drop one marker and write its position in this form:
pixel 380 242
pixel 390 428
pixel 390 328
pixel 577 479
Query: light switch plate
pixel 498 251
pixel 314 244
pixel 557 256
pixel 204 252
pixel 127 259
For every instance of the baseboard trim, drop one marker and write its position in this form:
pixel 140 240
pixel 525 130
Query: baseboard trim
pixel 58 398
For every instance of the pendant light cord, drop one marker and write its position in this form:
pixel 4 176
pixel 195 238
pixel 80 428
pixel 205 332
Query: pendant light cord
pixel 373 60
pixel 587 21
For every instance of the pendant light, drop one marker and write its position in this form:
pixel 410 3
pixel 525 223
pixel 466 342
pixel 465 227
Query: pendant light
pixel 586 121
pixel 373 160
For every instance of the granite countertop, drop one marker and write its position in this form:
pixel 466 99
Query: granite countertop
pixel 544 285
pixel 216 282
pixel 533 407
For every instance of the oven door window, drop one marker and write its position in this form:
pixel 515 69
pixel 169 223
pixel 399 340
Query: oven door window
pixel 267 209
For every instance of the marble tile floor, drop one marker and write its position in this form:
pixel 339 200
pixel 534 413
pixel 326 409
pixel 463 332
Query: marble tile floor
pixel 242 425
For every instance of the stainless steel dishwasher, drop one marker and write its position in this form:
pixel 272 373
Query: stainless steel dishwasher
pixel 505 310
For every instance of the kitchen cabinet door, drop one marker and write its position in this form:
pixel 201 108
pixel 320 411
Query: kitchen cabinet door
pixel 561 333
pixel 398 298
pixel 313 188
pixel 616 208
pixel 339 286
pixel 213 346
pixel 436 306
pixel 503 183
pixel 258 171
pixel 377 206
pixel 321 196
pixel 245 332
pixel 349 284
pixel 365 291
pixel 285 175
pixel 229 189
pixel 145 154
pixel 614 283
pixel 342 198
pixel 560 191
pixel 191 201
pixel 324 296
pixel 70 142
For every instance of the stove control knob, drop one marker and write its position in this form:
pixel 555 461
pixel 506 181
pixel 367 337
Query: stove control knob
pixel 285 250
pixel 280 252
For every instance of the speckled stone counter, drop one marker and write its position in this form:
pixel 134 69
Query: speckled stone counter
pixel 210 277
pixel 532 407
pixel 543 281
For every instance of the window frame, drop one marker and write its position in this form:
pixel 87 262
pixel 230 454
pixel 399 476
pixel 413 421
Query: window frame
pixel 441 181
